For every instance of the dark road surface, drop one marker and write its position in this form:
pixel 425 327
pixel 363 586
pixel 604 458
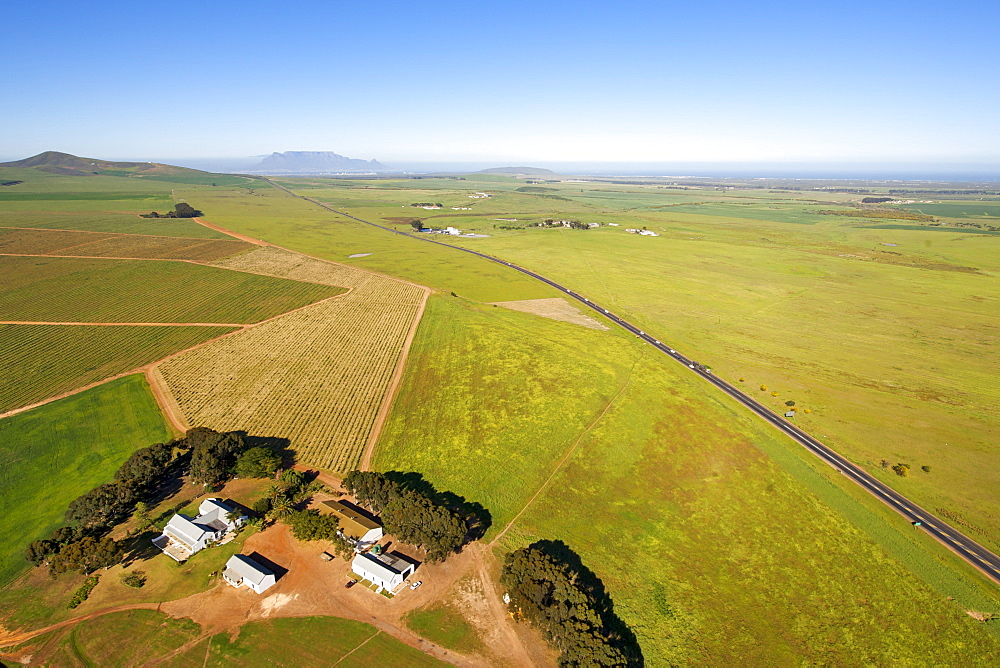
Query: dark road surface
pixel 986 561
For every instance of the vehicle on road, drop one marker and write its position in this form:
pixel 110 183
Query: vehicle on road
pixel 416 584
pixel 350 583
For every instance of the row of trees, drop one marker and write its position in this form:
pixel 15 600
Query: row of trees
pixel 416 516
pixel 548 586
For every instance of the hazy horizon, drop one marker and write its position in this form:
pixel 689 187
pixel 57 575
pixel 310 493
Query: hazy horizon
pixel 646 83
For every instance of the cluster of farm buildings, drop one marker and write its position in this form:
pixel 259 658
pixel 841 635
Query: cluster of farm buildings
pixel 217 522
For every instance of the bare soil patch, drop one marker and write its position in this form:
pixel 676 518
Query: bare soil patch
pixel 555 308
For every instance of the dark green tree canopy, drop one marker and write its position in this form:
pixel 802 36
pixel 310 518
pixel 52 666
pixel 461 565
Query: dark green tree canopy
pixel 258 462
pixel 549 587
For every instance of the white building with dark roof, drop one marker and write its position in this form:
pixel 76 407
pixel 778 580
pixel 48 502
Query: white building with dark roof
pixel 183 536
pixel 242 571
pixel 385 571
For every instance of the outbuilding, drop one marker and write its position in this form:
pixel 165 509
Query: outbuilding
pixel 241 571
pixel 385 571
pixel 356 527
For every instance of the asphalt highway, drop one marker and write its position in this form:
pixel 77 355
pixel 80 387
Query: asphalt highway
pixel 984 560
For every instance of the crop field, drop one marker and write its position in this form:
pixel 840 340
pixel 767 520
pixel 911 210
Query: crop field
pixel 88 290
pixel 78 441
pixel 89 244
pixel 717 540
pixel 106 221
pixel 317 376
pixel 42 361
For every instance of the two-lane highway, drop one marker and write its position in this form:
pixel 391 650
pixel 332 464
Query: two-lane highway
pixel 983 559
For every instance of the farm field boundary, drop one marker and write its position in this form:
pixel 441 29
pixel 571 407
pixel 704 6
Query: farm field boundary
pixel 81 243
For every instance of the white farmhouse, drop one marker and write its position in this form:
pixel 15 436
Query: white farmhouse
pixel 385 571
pixel 183 536
pixel 241 570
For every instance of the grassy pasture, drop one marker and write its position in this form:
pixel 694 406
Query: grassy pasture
pixel 99 641
pixel 89 290
pixel 443 625
pixel 52 454
pixel 894 361
pixel 307 641
pixel 885 333
pixel 961 209
pixel 717 540
pixel 41 361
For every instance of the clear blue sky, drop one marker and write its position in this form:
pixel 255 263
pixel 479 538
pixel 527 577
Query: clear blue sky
pixel 512 81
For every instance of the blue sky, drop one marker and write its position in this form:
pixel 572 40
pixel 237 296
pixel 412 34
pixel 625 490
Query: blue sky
pixel 517 81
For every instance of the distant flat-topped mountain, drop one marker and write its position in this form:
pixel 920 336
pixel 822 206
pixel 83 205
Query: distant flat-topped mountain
pixel 64 164
pixel 315 162
pixel 526 171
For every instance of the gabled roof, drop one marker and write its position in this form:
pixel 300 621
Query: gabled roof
pixel 246 569
pixel 184 530
pixel 352 523
pixel 381 570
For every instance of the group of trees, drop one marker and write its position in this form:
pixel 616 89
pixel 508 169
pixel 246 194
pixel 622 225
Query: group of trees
pixel 85 545
pixel 414 516
pixel 548 586
pixel 181 210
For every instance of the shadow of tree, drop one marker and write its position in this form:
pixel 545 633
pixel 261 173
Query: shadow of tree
pixel 617 631
pixel 477 518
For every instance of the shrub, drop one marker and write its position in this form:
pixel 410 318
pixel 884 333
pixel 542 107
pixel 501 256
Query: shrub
pixel 925 469
pixel 135 579
pixel 902 470
pixel 789 403
pixel 763 388
pixel 774 394
pixel 83 592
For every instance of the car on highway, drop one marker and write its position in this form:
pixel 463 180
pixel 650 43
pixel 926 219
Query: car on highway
pixel 416 584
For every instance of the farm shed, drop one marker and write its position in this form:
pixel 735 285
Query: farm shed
pixel 241 570
pixel 354 526
pixel 385 571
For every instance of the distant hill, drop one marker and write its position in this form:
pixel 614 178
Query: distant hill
pixel 526 171
pixel 65 164
pixel 315 162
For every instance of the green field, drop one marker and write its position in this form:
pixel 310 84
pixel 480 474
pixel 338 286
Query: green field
pixel 89 290
pixel 105 221
pixel 52 454
pixel 41 361
pixel 308 641
pixel 443 625
pixel 717 540
pixel 300 642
